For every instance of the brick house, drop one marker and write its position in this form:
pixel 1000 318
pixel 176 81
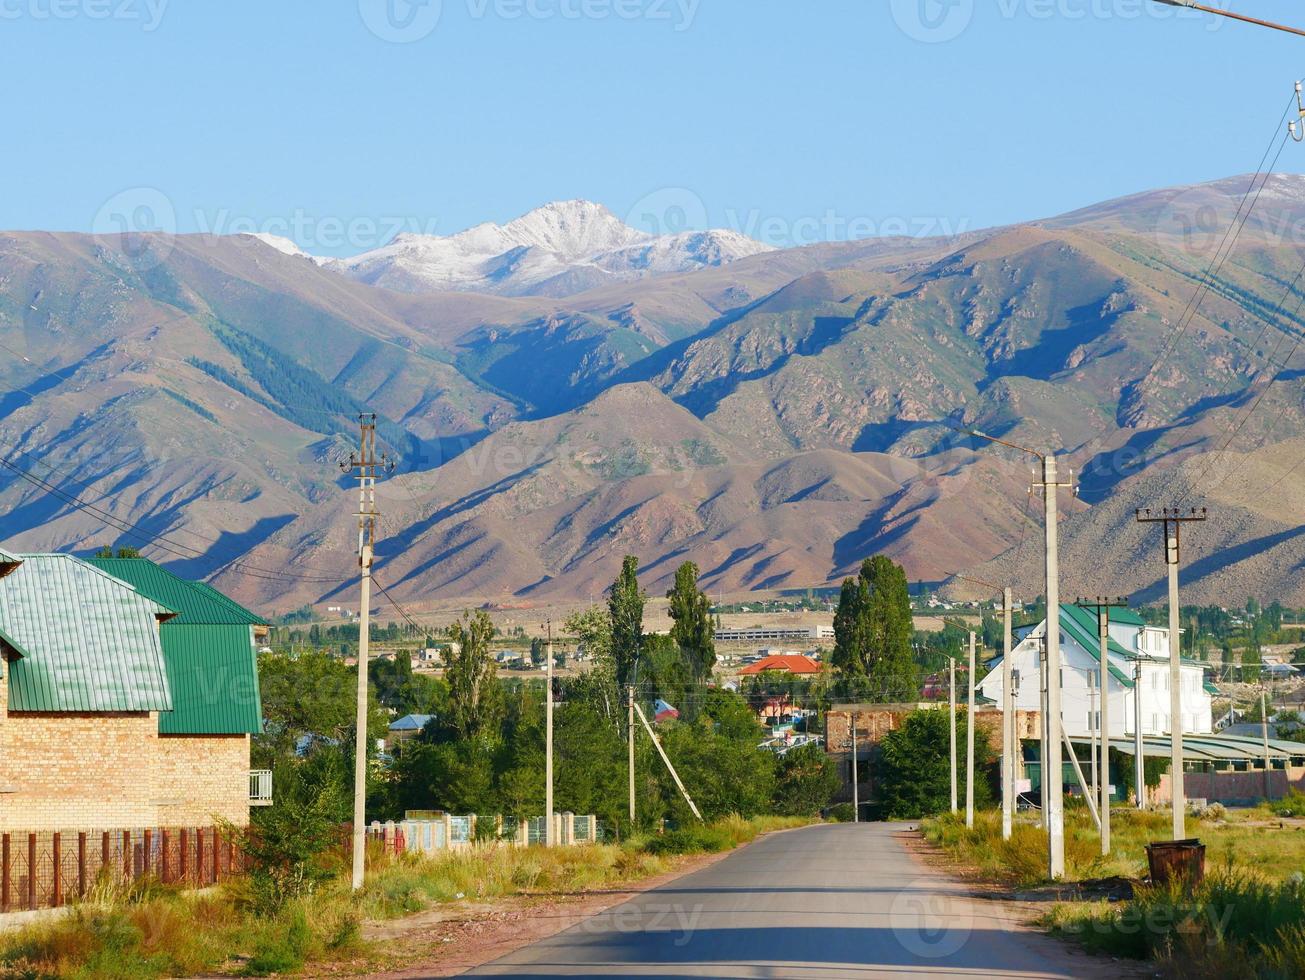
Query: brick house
pixel 99 728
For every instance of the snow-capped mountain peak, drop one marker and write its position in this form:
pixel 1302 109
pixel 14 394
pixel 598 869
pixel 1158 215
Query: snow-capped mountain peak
pixel 561 248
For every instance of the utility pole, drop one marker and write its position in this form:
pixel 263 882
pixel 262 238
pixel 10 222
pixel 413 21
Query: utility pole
pixel 1009 734
pixel 1139 763
pixel 856 786
pixel 1102 607
pixel 630 731
pixel 1264 734
pixel 366 463
pixel 1043 727
pixel 1173 520
pixel 969 745
pixel 550 830
pixel 1054 774
pixel 951 724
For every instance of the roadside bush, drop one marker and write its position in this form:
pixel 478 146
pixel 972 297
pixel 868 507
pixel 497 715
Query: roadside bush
pixel 1212 813
pixel 841 813
pixel 806 779
pixel 1291 805
pixel 690 840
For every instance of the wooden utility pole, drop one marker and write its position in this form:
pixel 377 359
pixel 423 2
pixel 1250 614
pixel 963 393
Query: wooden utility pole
pixel 367 465
pixel 1102 606
pixel 969 744
pixel 951 722
pixel 1173 520
pixel 550 830
pixel 630 733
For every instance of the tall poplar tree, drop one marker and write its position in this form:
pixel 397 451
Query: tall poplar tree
pixel 692 631
pixel 873 629
pixel 625 606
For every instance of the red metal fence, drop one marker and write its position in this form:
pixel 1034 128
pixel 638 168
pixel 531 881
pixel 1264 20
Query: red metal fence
pixel 47 870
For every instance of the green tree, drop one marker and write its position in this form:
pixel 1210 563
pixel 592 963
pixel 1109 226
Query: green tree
pixel 806 780
pixel 475 697
pixel 625 607
pixel 693 632
pixel 915 766
pixel 311 694
pixel 873 628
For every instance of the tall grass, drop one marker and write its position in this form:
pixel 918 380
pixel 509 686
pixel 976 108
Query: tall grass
pixel 148 930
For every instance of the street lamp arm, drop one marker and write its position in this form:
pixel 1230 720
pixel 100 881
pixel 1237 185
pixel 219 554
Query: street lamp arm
pixel 1001 442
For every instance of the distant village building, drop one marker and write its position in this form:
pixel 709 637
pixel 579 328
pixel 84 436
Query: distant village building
pixel 1139 668
pixel 791 663
pixel 775 634
pixel 123 704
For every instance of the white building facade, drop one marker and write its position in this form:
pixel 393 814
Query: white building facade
pixel 1139 668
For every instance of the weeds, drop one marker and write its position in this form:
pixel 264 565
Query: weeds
pixel 147 930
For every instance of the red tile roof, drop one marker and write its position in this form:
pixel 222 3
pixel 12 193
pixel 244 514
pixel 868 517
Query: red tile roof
pixel 788 663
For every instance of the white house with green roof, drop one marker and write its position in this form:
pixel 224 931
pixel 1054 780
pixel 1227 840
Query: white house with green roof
pixel 1139 668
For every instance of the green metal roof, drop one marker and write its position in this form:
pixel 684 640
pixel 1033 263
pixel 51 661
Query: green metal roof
pixel 85 640
pixel 194 602
pixel 213 671
pixel 1082 627
pixel 208 648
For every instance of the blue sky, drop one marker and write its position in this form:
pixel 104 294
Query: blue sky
pixel 341 121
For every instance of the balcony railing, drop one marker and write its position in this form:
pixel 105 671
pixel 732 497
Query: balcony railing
pixel 260 787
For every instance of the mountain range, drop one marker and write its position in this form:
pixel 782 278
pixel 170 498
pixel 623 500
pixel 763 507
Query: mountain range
pixel 563 390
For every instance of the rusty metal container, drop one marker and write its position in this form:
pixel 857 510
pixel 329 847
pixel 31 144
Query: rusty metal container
pixel 1176 860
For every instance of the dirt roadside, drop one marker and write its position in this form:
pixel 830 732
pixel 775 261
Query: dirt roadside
pixel 992 903
pixel 451 939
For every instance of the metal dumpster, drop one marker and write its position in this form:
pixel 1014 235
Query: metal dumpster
pixel 1176 860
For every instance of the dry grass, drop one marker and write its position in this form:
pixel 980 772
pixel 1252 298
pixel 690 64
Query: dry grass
pixel 150 931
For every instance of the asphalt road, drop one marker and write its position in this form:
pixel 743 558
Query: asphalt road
pixel 824 902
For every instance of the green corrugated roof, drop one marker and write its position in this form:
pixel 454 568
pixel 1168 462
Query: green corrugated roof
pixel 1082 626
pixel 213 671
pixel 208 648
pixel 87 641
pixel 194 602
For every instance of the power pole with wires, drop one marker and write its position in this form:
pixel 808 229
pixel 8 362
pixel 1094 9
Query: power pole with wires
pixel 367 465
pixel 630 745
pixel 1102 606
pixel 856 785
pixel 1173 520
pixel 969 744
pixel 1053 774
pixel 550 830
pixel 951 712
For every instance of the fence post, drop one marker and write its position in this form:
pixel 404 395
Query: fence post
pixel 127 869
pixel 145 860
pixel 199 857
pixel 105 851
pixel 163 855
pixel 182 868
pixel 56 892
pixel 31 871
pixel 81 864
pixel 448 831
pixel 217 844
pixel 568 828
pixel 4 873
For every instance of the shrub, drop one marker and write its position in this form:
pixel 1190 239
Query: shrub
pixel 841 813
pixel 1212 812
pixel 690 840
pixel 1291 805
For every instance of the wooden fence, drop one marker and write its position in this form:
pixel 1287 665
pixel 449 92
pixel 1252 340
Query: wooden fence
pixel 47 870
